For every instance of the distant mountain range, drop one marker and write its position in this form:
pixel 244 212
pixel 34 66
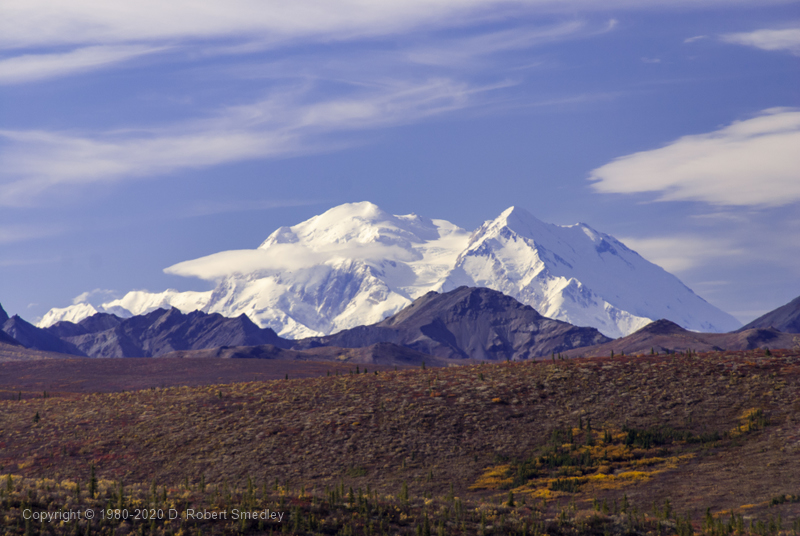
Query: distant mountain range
pixel 663 336
pixel 466 324
pixel 356 265
pixel 160 332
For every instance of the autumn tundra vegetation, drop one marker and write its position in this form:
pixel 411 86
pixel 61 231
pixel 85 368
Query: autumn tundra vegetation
pixel 686 443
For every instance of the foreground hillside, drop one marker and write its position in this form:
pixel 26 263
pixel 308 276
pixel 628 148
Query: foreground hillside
pixel 664 445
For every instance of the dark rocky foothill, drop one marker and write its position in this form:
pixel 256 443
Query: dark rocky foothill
pixel 160 332
pixel 785 318
pixel 35 338
pixel 467 323
pixel 663 336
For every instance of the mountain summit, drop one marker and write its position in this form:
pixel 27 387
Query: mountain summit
pixel 357 264
pixel 577 274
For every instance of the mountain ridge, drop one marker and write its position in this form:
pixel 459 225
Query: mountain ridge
pixel 160 332
pixel 467 323
pixel 32 337
pixel 785 318
pixel 356 264
pixel 664 336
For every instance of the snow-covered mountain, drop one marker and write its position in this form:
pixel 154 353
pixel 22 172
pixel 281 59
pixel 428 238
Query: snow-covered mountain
pixel 356 264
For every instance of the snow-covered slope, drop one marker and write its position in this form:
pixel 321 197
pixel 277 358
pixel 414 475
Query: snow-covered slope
pixel 579 275
pixel 356 264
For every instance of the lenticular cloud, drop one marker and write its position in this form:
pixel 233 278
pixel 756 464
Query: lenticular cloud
pixel 754 162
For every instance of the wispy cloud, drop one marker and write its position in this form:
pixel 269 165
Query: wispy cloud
pixel 787 39
pixel 34 67
pixel 52 22
pixel 755 162
pixel 681 253
pixel 458 52
pixel 24 232
pixel 288 122
pixel 695 38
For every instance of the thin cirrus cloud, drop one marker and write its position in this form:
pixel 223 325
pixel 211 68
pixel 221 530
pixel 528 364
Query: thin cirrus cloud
pixel 16 232
pixel 787 39
pixel 35 67
pixel 36 163
pixel 754 162
pixel 52 22
pixel 684 252
pixel 104 33
pixel 459 52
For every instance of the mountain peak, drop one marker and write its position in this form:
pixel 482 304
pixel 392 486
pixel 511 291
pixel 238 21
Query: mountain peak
pixel 355 223
pixel 662 327
pixel 468 323
pixel 3 315
pixel 519 220
pixel 357 264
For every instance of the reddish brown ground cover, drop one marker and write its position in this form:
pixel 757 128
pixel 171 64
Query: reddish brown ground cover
pixel 714 432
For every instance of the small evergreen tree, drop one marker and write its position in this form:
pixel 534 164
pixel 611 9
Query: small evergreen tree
pixel 92 483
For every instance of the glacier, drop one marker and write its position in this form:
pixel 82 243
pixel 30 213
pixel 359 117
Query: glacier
pixel 356 264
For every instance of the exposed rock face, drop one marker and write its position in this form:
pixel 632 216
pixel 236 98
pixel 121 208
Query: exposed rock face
pixel 664 336
pixel 160 332
pixel 30 336
pixel 467 323
pixel 785 318
pixel 5 338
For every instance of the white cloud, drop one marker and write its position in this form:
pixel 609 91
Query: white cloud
pixel 695 38
pixel 681 253
pixel 100 31
pixel 755 162
pixel 464 51
pixel 32 67
pixel 53 22
pixel 282 257
pixel 787 39
pixel 284 124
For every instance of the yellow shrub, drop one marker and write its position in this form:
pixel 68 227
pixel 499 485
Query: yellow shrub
pixel 493 478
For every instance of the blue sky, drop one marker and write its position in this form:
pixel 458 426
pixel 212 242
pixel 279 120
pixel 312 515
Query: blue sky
pixel 137 135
